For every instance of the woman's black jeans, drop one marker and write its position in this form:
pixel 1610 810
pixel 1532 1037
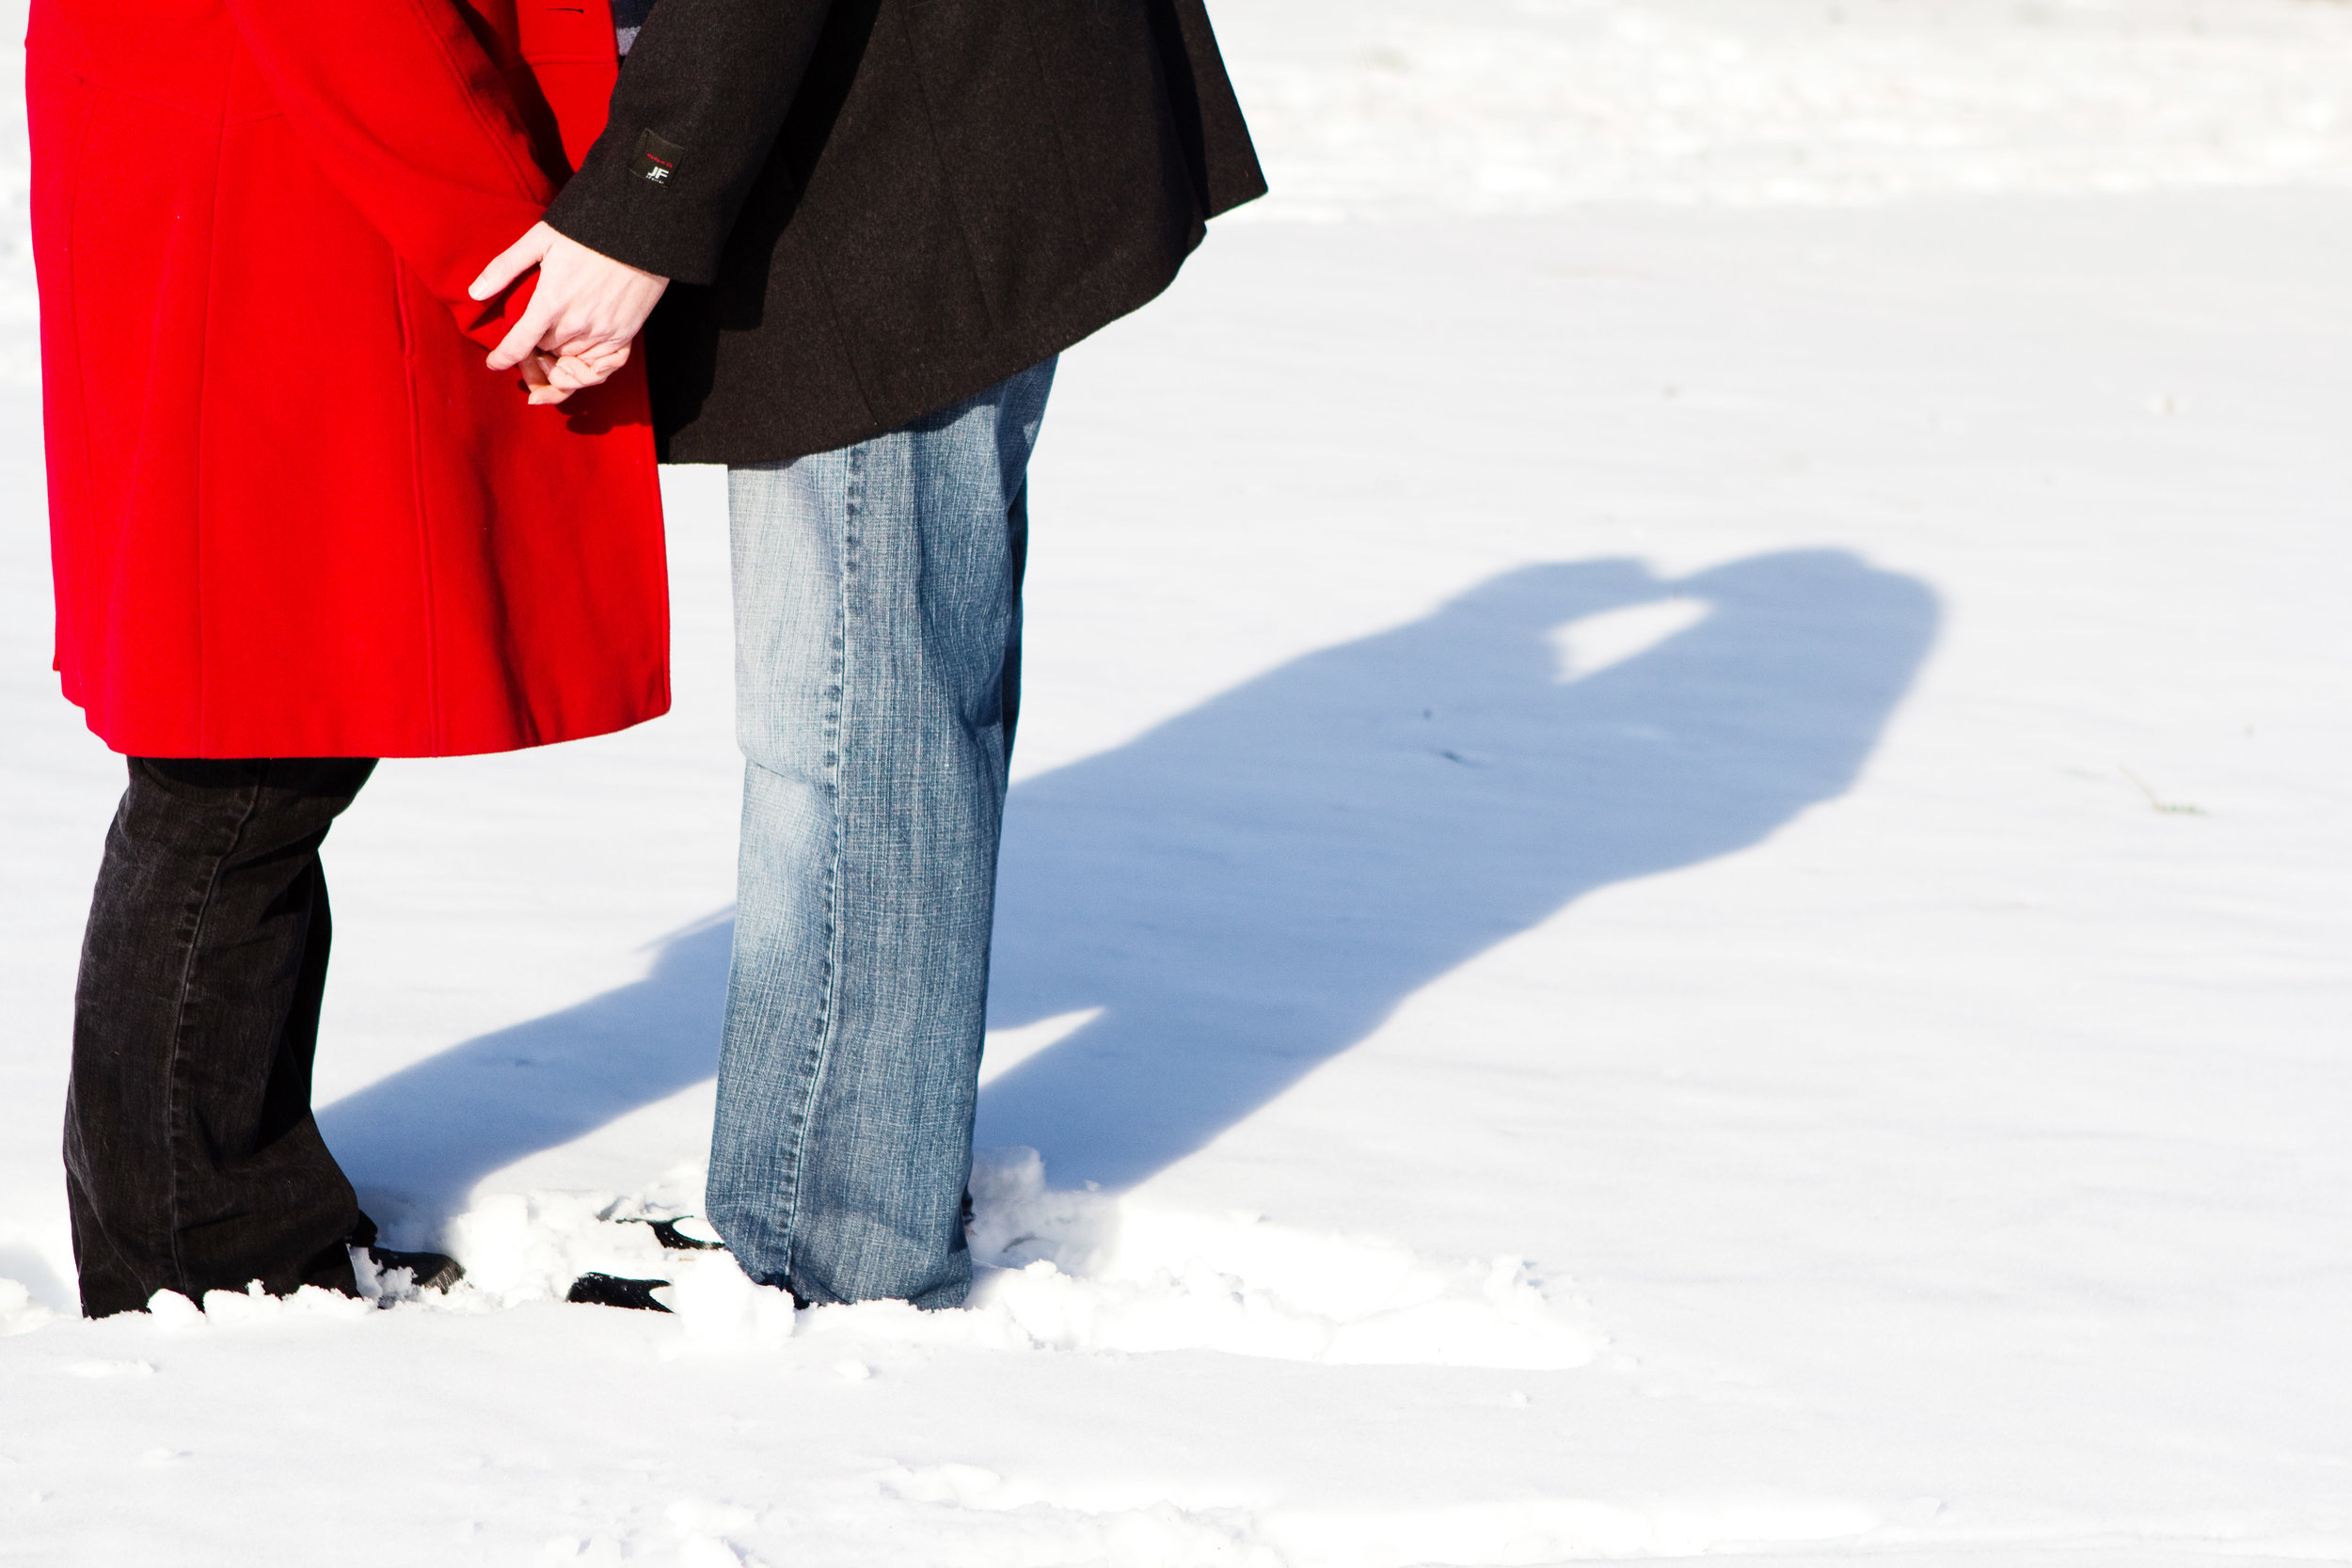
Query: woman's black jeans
pixel 192 1161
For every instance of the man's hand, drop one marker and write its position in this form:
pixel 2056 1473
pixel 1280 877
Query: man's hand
pixel 582 319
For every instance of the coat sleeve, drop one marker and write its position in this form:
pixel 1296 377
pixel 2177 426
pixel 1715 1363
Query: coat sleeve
pixel 410 119
pixel 704 89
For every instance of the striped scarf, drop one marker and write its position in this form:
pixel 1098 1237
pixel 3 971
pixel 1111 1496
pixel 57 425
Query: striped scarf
pixel 627 16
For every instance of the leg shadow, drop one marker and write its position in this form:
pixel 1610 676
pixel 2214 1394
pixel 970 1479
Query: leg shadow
pixel 429 1132
pixel 1252 887
pixel 1247 889
pixel 29 1267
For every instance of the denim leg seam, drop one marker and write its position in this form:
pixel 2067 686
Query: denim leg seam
pixel 837 724
pixel 192 923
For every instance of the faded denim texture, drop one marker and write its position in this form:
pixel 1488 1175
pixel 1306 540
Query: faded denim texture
pixel 878 619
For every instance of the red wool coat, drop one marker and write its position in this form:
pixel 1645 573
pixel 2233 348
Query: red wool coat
pixel 292 512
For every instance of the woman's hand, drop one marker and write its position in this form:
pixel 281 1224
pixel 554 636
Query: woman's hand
pixel 536 384
pixel 551 379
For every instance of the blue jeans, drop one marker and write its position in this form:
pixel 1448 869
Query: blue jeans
pixel 878 626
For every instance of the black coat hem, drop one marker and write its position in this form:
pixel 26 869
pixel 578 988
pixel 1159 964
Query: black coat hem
pixel 739 436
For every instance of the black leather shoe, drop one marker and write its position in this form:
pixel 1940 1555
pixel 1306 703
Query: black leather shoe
pixel 604 1289
pixel 675 1240
pixel 428 1270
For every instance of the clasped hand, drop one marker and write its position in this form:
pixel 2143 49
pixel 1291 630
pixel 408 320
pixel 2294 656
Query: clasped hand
pixel 587 310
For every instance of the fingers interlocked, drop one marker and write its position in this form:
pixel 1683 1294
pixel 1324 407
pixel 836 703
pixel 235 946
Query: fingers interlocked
pixel 587 310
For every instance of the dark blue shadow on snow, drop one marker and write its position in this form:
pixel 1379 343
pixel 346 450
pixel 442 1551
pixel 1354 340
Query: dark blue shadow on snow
pixel 1251 888
pixel 429 1132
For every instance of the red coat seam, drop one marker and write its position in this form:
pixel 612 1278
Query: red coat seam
pixel 424 528
pixel 203 354
pixel 81 385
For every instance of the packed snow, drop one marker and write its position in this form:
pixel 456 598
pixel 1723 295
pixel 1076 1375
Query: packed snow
pixel 1675 887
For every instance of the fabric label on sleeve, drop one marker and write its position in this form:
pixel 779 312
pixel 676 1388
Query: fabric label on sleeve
pixel 656 159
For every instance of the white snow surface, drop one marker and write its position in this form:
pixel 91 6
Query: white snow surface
pixel 1524 104
pixel 1675 887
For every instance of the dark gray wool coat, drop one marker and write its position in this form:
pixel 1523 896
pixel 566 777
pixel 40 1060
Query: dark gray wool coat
pixel 874 208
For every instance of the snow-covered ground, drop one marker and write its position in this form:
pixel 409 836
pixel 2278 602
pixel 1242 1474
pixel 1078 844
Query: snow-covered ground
pixel 1677 885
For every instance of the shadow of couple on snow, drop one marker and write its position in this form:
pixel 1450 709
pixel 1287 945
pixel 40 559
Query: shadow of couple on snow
pixel 1244 891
